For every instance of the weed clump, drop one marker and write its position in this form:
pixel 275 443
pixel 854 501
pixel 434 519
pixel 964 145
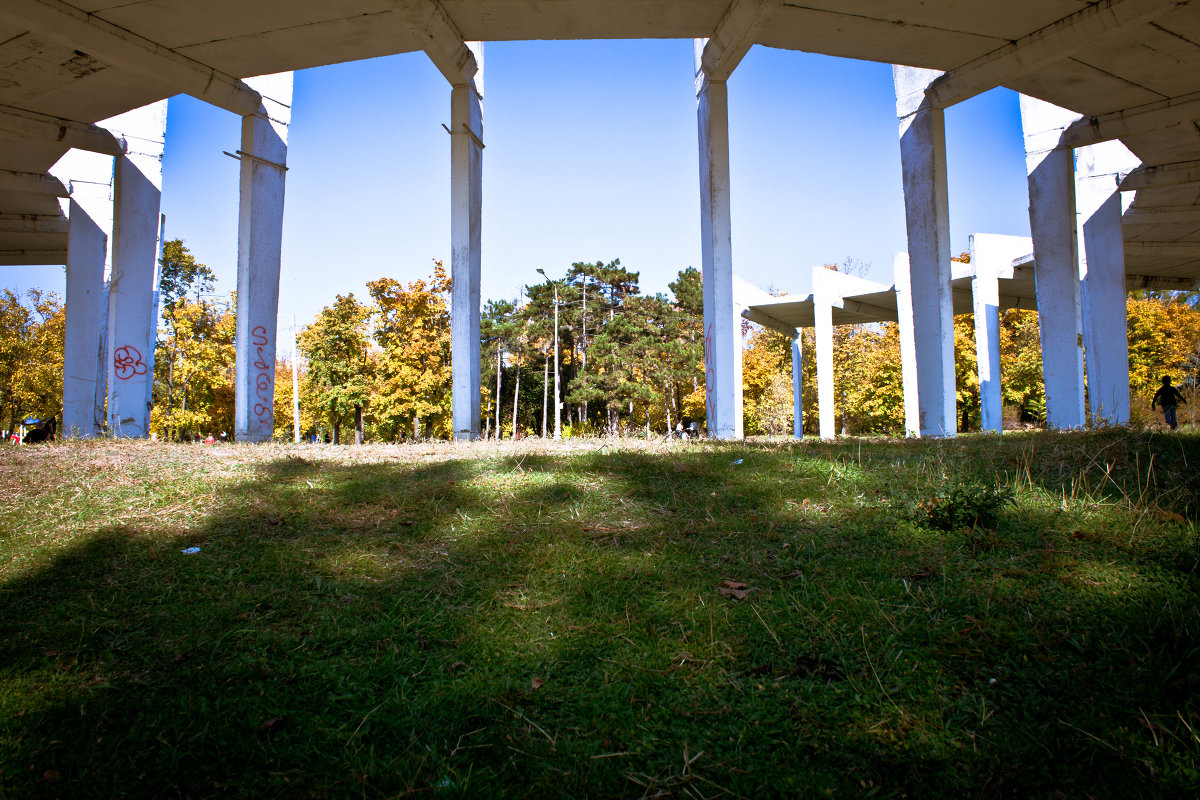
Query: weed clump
pixel 962 505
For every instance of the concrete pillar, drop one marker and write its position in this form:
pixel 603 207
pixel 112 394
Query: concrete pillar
pixel 797 387
pixel 908 344
pixel 260 239
pixel 466 207
pixel 722 325
pixel 824 299
pixel 927 214
pixel 1105 336
pixel 985 304
pixel 1052 223
pixel 992 258
pixel 84 362
pixel 132 327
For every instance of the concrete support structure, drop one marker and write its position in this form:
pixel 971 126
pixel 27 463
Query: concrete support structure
pixel 992 258
pixel 927 214
pixel 908 345
pixel 263 155
pixel 466 208
pixel 132 327
pixel 1052 222
pixel 722 325
pixel 797 388
pixel 1102 269
pixel 84 362
pixel 826 410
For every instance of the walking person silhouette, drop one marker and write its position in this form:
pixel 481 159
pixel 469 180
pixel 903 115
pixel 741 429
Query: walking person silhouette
pixel 1167 396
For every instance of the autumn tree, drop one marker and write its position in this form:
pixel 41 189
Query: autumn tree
pixel 31 355
pixel 195 354
pixel 336 348
pixel 411 325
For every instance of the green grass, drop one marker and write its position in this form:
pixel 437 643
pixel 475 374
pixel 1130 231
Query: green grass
pixel 524 622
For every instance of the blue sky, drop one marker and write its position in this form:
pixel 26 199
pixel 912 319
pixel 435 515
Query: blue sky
pixel 591 155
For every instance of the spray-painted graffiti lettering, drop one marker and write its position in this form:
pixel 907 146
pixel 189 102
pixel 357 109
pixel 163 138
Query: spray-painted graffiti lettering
pixel 264 389
pixel 127 362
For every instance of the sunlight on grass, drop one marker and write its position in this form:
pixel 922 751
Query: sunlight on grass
pixel 606 619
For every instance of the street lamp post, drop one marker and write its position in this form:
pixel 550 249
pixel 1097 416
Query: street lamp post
pixel 557 404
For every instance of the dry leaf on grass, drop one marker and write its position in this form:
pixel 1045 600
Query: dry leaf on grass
pixel 735 589
pixel 536 683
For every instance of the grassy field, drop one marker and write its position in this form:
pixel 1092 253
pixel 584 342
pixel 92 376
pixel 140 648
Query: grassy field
pixel 986 617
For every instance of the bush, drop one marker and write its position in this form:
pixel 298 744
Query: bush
pixel 963 505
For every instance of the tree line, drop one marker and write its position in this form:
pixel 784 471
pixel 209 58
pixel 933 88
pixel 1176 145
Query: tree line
pixel 630 363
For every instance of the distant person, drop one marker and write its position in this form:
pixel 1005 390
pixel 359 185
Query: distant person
pixel 1167 396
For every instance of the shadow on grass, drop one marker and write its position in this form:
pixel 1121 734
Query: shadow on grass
pixel 553 626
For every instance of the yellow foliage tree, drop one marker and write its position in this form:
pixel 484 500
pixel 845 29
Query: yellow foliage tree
pixel 412 326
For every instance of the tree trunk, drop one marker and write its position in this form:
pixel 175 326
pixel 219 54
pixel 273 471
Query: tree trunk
pixel 669 400
pixel 416 426
pixel 648 421
pixel 499 355
pixel 358 425
pixel 516 394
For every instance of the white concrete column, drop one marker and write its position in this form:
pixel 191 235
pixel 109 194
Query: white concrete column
pixel 1052 223
pixel 797 387
pixel 1105 336
pixel 722 325
pixel 84 369
pixel 824 299
pixel 466 208
pixel 260 240
pixel 132 327
pixel 927 214
pixel 908 344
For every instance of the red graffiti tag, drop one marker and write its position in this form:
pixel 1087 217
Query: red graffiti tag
pixel 264 389
pixel 127 362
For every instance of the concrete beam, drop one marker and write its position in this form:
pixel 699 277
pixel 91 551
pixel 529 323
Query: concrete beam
pixel 441 39
pixel 1152 177
pixel 884 314
pixel 32 183
pixel 1131 121
pixel 19 258
pixel 1173 249
pixel 79 135
pixel 1055 42
pixel 68 25
pixel 732 38
pixel 758 318
pixel 1135 282
pixel 32 223
pixel 1162 215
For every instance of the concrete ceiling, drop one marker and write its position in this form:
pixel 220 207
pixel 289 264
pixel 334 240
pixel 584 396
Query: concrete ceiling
pixel 1133 66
